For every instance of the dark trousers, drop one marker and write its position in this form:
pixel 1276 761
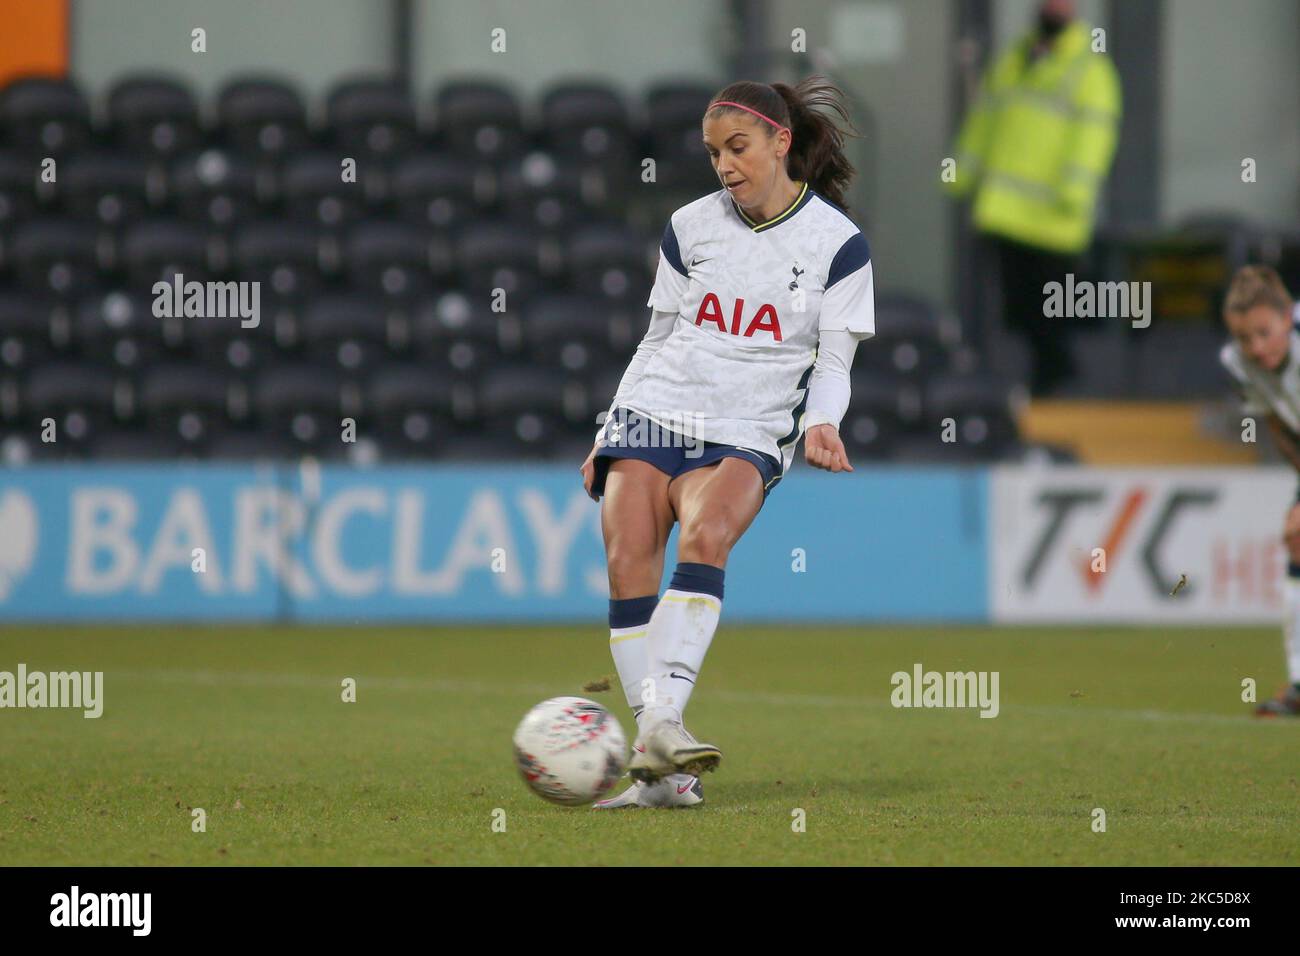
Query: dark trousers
pixel 1022 273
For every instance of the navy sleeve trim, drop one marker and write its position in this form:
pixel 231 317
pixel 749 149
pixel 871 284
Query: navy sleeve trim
pixel 853 255
pixel 670 250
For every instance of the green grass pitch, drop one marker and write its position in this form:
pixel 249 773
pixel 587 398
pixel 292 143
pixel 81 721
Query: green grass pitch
pixel 248 724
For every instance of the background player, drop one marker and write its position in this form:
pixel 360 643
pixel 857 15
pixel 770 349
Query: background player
pixel 1264 360
pixel 763 290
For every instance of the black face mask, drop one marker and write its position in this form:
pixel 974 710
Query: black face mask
pixel 1049 25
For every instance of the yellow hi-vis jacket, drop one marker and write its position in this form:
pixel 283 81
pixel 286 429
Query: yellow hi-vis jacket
pixel 1039 142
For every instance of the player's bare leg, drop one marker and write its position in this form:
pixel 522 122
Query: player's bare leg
pixel 636 520
pixel 714 507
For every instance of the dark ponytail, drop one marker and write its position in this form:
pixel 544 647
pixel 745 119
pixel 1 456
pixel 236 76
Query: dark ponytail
pixel 816 142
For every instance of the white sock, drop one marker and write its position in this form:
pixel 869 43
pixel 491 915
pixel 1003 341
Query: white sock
pixel 681 630
pixel 1291 629
pixel 629 622
pixel 627 645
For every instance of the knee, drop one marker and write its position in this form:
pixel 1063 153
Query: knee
pixel 706 541
pixel 633 571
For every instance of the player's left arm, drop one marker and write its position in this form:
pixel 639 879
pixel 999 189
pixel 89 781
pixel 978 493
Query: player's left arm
pixel 828 400
pixel 848 315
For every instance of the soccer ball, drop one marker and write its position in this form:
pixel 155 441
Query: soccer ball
pixel 570 750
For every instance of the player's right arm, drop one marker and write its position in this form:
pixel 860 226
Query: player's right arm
pixel 661 326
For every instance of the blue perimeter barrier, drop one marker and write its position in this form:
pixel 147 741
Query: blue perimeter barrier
pixel 461 543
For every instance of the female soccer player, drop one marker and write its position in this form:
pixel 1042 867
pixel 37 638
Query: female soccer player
pixel 1264 360
pixel 763 290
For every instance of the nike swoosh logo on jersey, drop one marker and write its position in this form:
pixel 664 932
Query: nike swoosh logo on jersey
pixel 680 676
pixel 696 262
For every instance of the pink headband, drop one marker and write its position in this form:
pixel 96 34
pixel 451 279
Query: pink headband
pixel 747 110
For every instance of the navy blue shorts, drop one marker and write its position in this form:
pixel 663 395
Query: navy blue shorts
pixel 672 453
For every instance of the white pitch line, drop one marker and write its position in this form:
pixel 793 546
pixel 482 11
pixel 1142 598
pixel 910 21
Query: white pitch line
pixel 457 686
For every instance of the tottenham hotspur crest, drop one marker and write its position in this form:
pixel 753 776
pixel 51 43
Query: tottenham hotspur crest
pixel 797 273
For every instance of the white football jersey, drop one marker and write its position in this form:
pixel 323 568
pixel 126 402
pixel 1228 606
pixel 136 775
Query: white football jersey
pixel 1263 392
pixel 751 300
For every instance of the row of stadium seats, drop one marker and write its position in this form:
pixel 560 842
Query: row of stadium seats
pixel 221 190
pixel 538 405
pixel 158 115
pixel 352 331
pixel 391 259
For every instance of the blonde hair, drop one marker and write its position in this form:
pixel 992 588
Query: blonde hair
pixel 1257 285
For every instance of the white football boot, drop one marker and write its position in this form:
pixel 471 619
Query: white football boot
pixel 667 748
pixel 675 790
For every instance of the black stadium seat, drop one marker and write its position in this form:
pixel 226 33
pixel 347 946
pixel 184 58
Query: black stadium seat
pixel 911 338
pixel 44 116
pixel 19 199
pixel 113 187
pixel 412 406
pixel 587 123
pixel 877 414
pixel 350 331
pixel 600 389
pixel 264 116
pixel 157 250
pixel 536 405
pixel 184 402
pixel 674 139
pixel 979 407
pixel 314 190
pixel 442 190
pixel 500 255
pixel 480 119
pixel 121 328
pixel 611 260
pixel 674 113
pixel 56 255
pixel 153 114
pixel 81 398
pixel 285 257
pixel 567 331
pixel 303 401
pixel 223 342
pixel 451 330
pixel 371 117
pixel 538 191
pixel 217 187
pixel 26 329
pixel 389 259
